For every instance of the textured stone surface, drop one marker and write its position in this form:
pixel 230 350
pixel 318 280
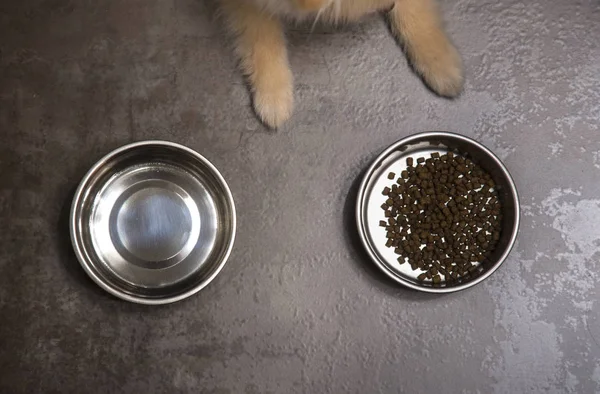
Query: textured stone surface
pixel 298 308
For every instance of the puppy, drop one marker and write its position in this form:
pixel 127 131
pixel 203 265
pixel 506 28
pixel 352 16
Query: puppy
pixel 260 44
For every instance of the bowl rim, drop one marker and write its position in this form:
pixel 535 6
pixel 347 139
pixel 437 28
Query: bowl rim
pixel 87 264
pixel 360 201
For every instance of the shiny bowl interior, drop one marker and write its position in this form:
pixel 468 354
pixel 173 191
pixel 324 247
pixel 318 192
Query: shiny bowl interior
pixel 153 222
pixel 393 159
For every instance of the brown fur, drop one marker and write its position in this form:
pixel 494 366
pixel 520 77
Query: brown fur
pixel 260 44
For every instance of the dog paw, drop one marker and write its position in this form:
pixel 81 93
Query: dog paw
pixel 274 107
pixel 273 102
pixel 441 68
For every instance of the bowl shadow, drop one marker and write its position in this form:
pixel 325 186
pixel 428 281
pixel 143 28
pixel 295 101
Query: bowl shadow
pixel 66 252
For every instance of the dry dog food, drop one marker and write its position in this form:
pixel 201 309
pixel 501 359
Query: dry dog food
pixel 442 216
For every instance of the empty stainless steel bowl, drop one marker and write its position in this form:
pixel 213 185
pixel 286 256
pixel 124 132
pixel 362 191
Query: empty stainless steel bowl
pixel 393 159
pixel 153 222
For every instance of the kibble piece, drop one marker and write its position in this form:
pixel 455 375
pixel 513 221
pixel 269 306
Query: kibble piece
pixel 409 162
pixel 392 175
pixel 386 191
pixel 382 223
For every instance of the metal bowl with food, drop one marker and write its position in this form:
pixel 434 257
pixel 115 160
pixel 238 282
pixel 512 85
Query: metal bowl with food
pixel 153 222
pixel 437 212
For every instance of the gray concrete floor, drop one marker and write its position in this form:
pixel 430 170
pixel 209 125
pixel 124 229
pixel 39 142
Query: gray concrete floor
pixel 298 308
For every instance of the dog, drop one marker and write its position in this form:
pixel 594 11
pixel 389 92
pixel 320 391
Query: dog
pixel 257 28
